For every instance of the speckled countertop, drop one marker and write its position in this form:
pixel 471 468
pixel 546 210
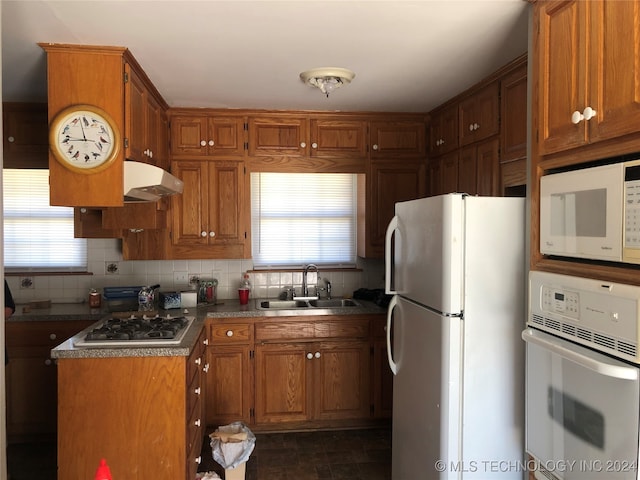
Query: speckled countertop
pixel 226 309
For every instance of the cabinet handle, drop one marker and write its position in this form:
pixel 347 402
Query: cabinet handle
pixel 303 145
pixel 52 336
pixel 203 143
pixel 212 233
pixel 196 390
pixel 197 423
pixel 375 146
pixel 314 145
pixel 211 143
pixel 229 333
pixel 198 459
pixel 317 355
pixel 589 113
pixel 48 362
pixel 310 355
pixel 11 139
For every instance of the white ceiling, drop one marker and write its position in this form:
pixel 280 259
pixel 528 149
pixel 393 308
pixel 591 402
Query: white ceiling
pixel 408 56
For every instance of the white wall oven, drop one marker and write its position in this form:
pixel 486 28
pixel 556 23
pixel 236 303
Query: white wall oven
pixel 582 387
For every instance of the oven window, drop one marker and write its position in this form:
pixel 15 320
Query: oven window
pixel 576 417
pixel 579 214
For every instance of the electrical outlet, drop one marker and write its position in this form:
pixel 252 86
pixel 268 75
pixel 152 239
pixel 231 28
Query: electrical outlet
pixel 181 278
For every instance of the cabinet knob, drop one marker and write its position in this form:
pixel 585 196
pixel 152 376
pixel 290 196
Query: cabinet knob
pixel 203 143
pixel 589 113
pixel 229 333
pixel 314 145
pixel 197 423
pixel 150 154
pixel 212 234
pixel 198 459
pixel 211 143
pixel 197 391
pixel 205 341
pixel 375 146
pixel 471 127
pixel 309 355
pixel 52 336
pixel 203 234
pixel 11 139
pixel 576 117
pixel 48 362
pixel 205 369
pixel 303 145
pixel 317 355
pixel 198 361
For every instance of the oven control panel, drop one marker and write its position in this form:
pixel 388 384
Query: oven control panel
pixel 561 301
pixel 602 315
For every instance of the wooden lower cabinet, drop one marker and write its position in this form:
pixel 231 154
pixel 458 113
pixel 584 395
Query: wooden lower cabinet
pixel 142 414
pixel 31 376
pixel 299 372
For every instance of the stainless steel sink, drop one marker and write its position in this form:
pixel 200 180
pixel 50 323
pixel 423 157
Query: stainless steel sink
pixel 305 304
pixel 334 303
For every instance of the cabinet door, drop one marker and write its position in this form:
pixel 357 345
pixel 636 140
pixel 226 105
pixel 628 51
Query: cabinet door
pixel 153 147
pixel 435 176
pixel 560 56
pixel 226 136
pixel 188 136
pixel 382 381
pixel 478 115
pixel 444 130
pixel 467 171
pixel 226 224
pixel 387 183
pixel 398 139
pixel 191 208
pixel 513 108
pixel 343 379
pixel 26 135
pixel 135 116
pixel 278 136
pixel 614 30
pixel 487 173
pixel 338 138
pixel 449 172
pixel 228 385
pixel 283 376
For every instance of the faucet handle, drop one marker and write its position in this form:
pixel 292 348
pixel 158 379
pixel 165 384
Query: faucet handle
pixel 328 287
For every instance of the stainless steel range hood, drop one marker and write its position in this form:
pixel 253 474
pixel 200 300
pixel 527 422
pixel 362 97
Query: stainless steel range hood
pixel 148 183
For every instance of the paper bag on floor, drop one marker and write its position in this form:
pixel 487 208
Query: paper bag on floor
pixel 232 444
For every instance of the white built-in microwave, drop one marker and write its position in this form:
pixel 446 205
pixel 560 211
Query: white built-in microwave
pixel 592 213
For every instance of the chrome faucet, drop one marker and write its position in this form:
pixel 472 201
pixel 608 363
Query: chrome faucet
pixel 305 287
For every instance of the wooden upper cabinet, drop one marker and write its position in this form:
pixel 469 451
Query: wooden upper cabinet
pixel 208 136
pixel 26 135
pixel 478 169
pixel 341 138
pixel 444 130
pixel 278 136
pixel 479 116
pixel 397 139
pixel 513 110
pixel 581 50
pixel 145 129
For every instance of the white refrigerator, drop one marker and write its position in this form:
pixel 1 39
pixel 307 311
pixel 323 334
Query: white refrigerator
pixel 456 267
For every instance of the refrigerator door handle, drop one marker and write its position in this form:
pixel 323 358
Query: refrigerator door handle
pixel 388 255
pixel 557 346
pixel 392 364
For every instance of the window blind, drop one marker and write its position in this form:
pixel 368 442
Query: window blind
pixel 301 218
pixel 37 236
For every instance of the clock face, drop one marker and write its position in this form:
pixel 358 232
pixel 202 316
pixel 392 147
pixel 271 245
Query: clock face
pixel 83 138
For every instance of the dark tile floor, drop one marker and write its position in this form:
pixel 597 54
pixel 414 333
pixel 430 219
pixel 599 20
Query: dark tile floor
pixel 328 455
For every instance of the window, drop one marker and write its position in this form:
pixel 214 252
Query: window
pixel 301 218
pixel 37 236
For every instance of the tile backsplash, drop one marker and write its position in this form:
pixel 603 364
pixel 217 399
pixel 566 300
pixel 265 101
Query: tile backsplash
pixel 109 270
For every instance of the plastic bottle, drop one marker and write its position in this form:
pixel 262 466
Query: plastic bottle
pixel 246 283
pixel 103 472
pixel 145 299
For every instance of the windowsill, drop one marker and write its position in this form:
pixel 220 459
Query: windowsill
pixel 28 273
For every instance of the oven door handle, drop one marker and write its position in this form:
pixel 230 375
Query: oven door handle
pixel 563 348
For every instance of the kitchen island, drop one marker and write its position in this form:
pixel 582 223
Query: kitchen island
pixel 143 408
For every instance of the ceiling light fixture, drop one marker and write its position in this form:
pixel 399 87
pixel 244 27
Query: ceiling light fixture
pixel 327 79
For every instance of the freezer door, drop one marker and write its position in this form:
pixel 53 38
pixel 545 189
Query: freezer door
pixel 426 392
pixel 428 252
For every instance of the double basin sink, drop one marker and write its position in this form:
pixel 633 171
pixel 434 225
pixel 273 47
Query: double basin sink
pixel 304 304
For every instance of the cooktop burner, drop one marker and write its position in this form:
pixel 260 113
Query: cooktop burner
pixel 137 331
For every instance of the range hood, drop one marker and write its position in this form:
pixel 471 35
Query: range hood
pixel 147 183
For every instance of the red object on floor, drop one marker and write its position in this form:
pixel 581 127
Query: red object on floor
pixel 103 472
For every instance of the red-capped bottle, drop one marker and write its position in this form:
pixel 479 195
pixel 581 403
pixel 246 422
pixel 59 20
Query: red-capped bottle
pixel 103 472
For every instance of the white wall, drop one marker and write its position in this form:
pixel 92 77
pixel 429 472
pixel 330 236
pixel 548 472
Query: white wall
pixel 75 288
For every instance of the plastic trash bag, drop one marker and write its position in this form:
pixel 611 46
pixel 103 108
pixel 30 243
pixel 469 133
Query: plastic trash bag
pixel 232 444
pixel 208 476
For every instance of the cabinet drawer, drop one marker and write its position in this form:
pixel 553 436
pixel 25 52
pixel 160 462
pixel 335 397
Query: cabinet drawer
pixel 379 327
pixel 49 334
pixel 285 330
pixel 230 333
pixel 196 359
pixel 195 426
pixel 342 329
pixel 357 328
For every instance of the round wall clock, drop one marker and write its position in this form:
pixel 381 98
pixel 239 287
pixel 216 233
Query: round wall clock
pixel 84 138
